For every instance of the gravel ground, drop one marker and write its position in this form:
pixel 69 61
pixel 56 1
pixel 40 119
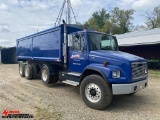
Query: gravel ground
pixel 63 102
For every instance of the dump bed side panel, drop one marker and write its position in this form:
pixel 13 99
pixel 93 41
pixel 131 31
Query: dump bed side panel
pixel 47 46
pixel 43 46
pixel 24 48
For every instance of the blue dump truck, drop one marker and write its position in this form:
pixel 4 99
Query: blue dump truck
pixel 87 59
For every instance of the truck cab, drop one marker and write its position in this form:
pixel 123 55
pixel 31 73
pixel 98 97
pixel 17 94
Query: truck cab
pixel 99 52
pixel 88 59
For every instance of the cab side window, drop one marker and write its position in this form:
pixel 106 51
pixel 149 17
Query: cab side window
pixel 78 42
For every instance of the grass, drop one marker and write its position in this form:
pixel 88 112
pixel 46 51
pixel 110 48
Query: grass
pixel 154 73
pixel 45 114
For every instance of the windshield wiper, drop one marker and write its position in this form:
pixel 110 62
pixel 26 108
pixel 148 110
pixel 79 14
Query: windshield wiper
pixel 106 48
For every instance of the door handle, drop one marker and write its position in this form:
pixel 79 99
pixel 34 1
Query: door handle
pixel 93 57
pixel 76 60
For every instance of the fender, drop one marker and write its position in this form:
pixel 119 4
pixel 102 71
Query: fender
pixel 106 73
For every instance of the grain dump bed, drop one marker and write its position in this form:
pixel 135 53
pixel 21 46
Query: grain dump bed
pixel 43 46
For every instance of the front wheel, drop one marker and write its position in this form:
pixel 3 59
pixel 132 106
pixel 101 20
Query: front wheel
pixel 95 92
pixel 132 93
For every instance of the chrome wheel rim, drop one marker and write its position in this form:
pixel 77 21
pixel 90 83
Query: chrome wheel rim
pixel 26 71
pixel 44 75
pixel 93 92
pixel 20 70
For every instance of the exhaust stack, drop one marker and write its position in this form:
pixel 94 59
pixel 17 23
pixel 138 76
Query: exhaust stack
pixel 65 44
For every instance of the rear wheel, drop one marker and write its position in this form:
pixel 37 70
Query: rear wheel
pixel 95 92
pixel 28 71
pixel 35 71
pixel 132 93
pixel 21 69
pixel 46 77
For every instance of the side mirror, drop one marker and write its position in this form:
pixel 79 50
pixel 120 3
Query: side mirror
pixel 70 39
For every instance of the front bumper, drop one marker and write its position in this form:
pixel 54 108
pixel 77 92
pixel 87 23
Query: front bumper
pixel 119 89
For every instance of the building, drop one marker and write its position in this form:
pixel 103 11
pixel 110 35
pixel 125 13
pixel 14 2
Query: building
pixel 8 55
pixel 145 44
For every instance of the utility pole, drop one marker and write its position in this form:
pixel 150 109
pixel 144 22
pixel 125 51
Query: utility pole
pixel 66 5
pixel 68 11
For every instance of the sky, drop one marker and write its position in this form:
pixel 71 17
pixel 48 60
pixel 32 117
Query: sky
pixel 19 18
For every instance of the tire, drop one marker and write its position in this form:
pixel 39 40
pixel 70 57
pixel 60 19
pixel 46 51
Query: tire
pixel 132 93
pixel 46 77
pixel 95 92
pixel 35 71
pixel 21 69
pixel 28 71
pixel 54 79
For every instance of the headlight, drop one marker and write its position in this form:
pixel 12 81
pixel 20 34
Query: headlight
pixel 116 74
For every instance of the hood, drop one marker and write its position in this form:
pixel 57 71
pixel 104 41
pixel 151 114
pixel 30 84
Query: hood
pixel 116 55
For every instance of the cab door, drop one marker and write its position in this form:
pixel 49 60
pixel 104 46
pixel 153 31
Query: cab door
pixel 78 55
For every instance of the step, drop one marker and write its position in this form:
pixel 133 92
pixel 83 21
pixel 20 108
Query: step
pixel 71 82
pixel 74 74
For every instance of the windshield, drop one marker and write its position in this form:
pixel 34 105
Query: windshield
pixel 98 41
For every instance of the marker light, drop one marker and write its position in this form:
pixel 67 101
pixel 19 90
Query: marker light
pixel 105 63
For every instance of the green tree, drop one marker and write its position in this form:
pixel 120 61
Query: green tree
pixel 153 18
pixel 98 21
pixel 121 20
pixel 116 22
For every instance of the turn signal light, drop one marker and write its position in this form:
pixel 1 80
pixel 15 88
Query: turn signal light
pixel 105 64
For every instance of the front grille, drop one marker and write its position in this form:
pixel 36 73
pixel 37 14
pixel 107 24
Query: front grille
pixel 139 70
